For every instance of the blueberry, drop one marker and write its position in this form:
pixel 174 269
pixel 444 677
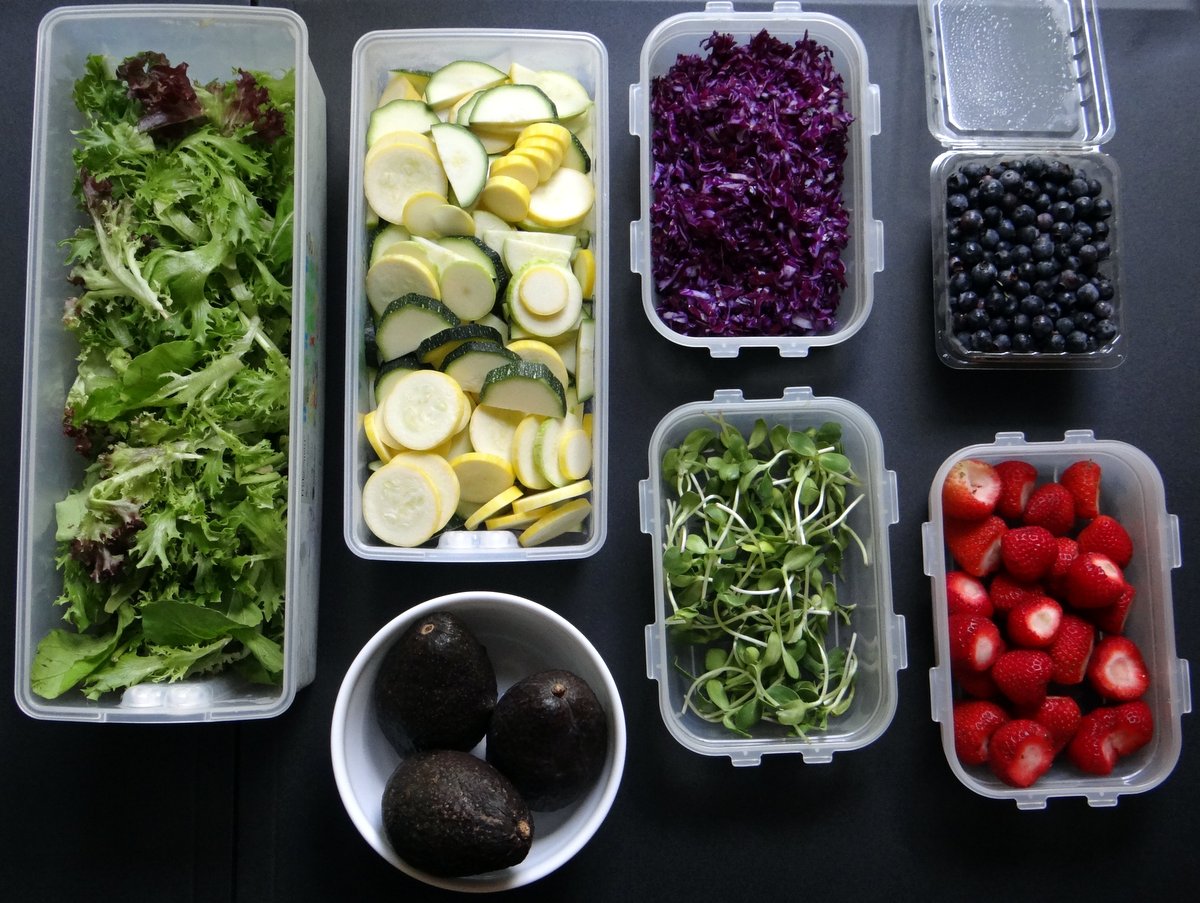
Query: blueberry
pixel 1046 269
pixel 1026 268
pixel 1103 250
pixel 956 183
pixel 1102 209
pixel 959 282
pixel 1021 252
pixel 1004 260
pixel 1034 167
pixel 1019 322
pixel 1077 187
pixel 983 274
pixel 1058 172
pixel 1008 231
pixel 1023 215
pixel 981 340
pixel 957 204
pixel 1105 288
pixel 991 190
pixel 1064 325
pixel 963 339
pixel 971 252
pixel 1077 342
pixel 1083 207
pixel 1032 305
pixel 990 239
pixel 1043 248
pixel 1104 332
pixel 1041 326
pixel 1083 230
pixel 1060 231
pixel 1056 342
pixel 1054 310
pixel 1002 342
pixel 1103 310
pixel 998 325
pixel 1011 179
pixel 1069 280
pixel 1044 289
pixel 1022 341
pixel 1042 202
pixel 1087 296
pixel 977 318
pixel 1094 187
pixel 1062 211
pixel 974 171
pixel 1100 229
pixel 970 222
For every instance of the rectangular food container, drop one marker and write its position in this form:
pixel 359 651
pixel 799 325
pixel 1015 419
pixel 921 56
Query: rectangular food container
pixel 1132 492
pixel 1006 80
pixel 863 255
pixel 578 54
pixel 214 41
pixel 879 633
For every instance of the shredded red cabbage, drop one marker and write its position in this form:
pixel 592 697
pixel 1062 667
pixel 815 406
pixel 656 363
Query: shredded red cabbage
pixel 747 219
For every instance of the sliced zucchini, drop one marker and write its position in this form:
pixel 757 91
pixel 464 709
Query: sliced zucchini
pixel 576 157
pixel 458 79
pixel 585 360
pixel 569 96
pixel 408 321
pixel 390 371
pixel 423 409
pixel 512 105
pixel 385 238
pixel 433 350
pixel 524 437
pixel 495 140
pixel 400 115
pixel 524 386
pixel 464 159
pixel 545 451
pixel 520 251
pixel 396 275
pixel 487 222
pixel 476 249
pixel 471 362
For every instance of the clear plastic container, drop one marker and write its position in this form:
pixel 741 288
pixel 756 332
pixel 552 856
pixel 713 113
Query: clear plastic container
pixel 1009 79
pixel 863 255
pixel 1131 491
pixel 576 53
pixel 879 633
pixel 522 638
pixel 214 41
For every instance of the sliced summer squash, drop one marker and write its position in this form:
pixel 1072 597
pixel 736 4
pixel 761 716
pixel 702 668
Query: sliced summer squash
pixel 492 430
pixel 545 451
pixel 542 353
pixel 564 199
pixel 567 518
pixel 390 235
pixel 574 454
pixel 400 503
pixel 585 360
pixel 524 466
pixel 394 171
pixel 492 506
pixel 545 286
pixel 398 87
pixel 505 197
pixel 552 496
pixel 481 476
pixel 423 409
pixel 444 480
pixel 391 370
pixel 523 386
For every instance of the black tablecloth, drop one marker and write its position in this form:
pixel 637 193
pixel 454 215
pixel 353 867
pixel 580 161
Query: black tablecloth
pixel 250 812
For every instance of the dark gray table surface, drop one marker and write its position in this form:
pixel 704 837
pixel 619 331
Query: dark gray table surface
pixel 250 812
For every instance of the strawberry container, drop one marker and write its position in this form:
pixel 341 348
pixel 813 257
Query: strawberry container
pixel 214 41
pixel 1132 492
pixel 376 54
pixel 1007 81
pixel 878 634
pixel 863 254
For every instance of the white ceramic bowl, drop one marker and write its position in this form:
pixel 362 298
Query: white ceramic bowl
pixel 521 637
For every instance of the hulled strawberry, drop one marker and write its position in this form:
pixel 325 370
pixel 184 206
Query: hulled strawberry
pixel 1034 623
pixel 1023 675
pixel 1018 479
pixel 976 684
pixel 1082 480
pixel 971 490
pixel 1028 552
pixel 1112 618
pixel 1109 733
pixel 1071 650
pixel 975 720
pixel 975 545
pixel 1007 593
pixel 1020 752
pixel 1066 550
pixel 1094 581
pixel 1116 669
pixel 1060 715
pixel 1105 535
pixel 1051 506
pixel 975 643
pixel 966 595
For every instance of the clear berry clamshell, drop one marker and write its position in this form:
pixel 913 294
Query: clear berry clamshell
pixel 1007 82
pixel 1131 491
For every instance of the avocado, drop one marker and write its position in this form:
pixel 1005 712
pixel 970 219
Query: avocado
pixel 452 814
pixel 549 736
pixel 436 687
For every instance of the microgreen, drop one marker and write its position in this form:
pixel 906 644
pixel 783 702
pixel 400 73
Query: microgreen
pixel 756 536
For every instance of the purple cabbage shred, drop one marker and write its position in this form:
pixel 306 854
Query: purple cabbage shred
pixel 747 219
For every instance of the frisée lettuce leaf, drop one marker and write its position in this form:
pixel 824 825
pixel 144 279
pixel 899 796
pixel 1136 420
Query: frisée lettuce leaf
pixel 172 547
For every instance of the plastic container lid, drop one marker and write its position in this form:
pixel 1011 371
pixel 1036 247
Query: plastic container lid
pixel 1014 74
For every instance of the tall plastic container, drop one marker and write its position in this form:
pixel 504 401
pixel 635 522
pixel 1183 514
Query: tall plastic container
pixel 863 255
pixel 214 41
pixel 375 54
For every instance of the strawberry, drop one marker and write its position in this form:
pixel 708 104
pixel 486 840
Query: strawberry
pixel 975 545
pixel 1007 593
pixel 1094 581
pixel 975 642
pixel 1105 535
pixel 1060 715
pixel 1028 552
pixel 1108 733
pixel 976 684
pixel 1066 551
pixel 970 490
pixel 1082 480
pixel 1018 479
pixel 975 720
pixel 1022 675
pixel 1034 623
pixel 1116 669
pixel 967 595
pixel 1071 649
pixel 1020 752
pixel 1053 507
pixel 1111 618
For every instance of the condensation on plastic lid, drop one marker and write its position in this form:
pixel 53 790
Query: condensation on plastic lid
pixel 477 539
pixel 179 696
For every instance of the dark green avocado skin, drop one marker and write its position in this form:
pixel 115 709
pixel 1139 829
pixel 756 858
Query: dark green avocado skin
pixel 549 736
pixel 451 814
pixel 436 687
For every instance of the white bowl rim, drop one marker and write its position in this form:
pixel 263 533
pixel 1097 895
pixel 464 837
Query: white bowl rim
pixel 518 875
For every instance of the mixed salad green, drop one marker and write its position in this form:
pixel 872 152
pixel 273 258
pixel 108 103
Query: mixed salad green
pixel 172 549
